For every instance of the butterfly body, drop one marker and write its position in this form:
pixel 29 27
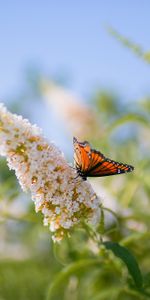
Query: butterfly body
pixel 82 174
pixel 92 163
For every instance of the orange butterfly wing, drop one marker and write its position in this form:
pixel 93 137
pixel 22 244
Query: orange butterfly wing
pixel 92 163
pixel 82 155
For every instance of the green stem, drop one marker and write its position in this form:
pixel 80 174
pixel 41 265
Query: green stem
pixel 91 232
pixel 115 216
pixel 25 218
pixel 133 237
pixel 67 272
pixel 105 294
pixel 102 223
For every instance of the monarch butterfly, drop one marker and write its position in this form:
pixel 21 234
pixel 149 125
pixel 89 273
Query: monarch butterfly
pixel 89 162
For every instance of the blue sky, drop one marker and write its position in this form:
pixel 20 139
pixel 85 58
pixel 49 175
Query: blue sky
pixel 70 36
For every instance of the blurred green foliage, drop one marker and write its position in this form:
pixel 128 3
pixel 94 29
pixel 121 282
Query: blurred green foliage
pixel 81 268
pixel 126 42
pixel 23 280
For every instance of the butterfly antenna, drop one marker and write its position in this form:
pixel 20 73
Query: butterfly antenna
pixel 73 168
pixel 77 176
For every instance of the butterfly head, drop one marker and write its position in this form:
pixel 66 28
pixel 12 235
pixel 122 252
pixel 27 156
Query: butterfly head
pixel 83 144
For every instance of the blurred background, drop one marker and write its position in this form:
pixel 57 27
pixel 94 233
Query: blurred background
pixel 76 68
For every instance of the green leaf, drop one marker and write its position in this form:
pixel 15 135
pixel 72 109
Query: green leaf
pixel 129 260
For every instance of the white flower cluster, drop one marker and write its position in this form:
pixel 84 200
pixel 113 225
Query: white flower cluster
pixel 41 168
pixel 69 108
